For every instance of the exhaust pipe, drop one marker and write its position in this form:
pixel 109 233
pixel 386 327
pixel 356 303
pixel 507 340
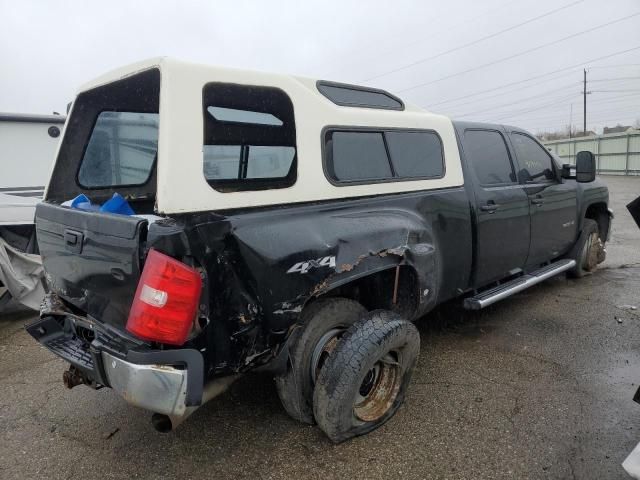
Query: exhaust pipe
pixel 166 423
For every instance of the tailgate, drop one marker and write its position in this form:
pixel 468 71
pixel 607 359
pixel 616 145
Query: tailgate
pixel 91 259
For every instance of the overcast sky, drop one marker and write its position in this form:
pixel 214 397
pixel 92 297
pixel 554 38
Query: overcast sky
pixel 489 61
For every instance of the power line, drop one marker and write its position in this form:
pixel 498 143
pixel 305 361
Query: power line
pixel 562 114
pixel 577 65
pixel 565 106
pixel 615 91
pixel 515 101
pixel 550 113
pixel 502 93
pixel 619 65
pixel 481 14
pixel 539 107
pixel 554 105
pixel 469 44
pixel 602 110
pixel 537 96
pixel 550 126
pixel 524 52
pixel 613 79
pixel 617 98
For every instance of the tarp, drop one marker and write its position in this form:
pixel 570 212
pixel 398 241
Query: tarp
pixel 22 274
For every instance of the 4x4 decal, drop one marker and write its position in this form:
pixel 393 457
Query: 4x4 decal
pixel 304 267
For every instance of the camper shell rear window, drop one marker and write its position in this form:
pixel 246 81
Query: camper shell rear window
pixel 110 143
pixel 121 151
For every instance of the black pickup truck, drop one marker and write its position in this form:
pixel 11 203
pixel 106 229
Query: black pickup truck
pixel 278 224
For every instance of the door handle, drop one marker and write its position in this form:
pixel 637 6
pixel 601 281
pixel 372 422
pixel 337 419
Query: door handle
pixel 537 201
pixel 489 207
pixel 73 241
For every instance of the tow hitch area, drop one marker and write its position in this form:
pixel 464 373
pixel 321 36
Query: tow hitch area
pixel 74 377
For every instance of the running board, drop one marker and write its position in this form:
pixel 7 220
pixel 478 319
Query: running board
pixel 519 284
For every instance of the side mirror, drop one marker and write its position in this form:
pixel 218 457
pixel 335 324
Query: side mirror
pixel 585 167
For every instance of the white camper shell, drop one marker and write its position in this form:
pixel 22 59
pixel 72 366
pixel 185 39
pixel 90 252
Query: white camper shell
pixel 189 165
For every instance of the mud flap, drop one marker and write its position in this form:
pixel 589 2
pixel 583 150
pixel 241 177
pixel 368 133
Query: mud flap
pixel 634 210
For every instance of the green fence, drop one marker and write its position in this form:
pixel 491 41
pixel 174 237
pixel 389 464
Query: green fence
pixel 616 153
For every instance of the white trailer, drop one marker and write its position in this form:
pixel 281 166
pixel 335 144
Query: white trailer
pixel 28 144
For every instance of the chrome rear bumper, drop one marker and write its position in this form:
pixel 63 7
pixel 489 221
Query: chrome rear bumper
pixel 159 388
pixel 164 381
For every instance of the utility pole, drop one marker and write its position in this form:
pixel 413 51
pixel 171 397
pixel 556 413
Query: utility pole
pixel 584 92
pixel 570 120
pixel 584 100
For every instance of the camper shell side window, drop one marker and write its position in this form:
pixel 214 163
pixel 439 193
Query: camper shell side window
pixel 249 138
pixel 364 155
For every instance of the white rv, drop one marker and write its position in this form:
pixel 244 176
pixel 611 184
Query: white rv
pixel 27 148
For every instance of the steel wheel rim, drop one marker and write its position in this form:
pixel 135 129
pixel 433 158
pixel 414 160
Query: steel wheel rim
pixel 324 347
pixel 590 252
pixel 378 390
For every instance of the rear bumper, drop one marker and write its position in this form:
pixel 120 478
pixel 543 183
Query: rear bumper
pixel 162 381
pixel 159 388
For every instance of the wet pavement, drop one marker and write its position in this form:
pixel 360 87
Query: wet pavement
pixel 537 386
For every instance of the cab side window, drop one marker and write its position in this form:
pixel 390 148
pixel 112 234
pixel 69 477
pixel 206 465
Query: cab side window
pixel 534 160
pixel 489 156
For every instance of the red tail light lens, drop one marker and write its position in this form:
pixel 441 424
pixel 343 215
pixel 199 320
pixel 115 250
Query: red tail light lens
pixel 166 300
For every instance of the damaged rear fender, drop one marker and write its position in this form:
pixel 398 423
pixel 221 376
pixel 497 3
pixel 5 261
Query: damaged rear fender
pixel 407 274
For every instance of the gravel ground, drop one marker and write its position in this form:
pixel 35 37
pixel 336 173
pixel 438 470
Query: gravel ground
pixel 537 386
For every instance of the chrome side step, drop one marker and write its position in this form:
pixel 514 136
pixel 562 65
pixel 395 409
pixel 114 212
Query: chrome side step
pixel 519 284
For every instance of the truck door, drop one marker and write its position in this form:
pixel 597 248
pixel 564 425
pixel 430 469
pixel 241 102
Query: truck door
pixel 501 206
pixel 552 204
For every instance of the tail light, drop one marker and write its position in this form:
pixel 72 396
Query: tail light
pixel 166 300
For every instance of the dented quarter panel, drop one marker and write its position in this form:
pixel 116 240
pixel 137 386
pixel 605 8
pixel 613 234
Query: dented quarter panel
pixel 248 255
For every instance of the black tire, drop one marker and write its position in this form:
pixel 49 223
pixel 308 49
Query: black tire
pixel 588 251
pixel 349 399
pixel 321 320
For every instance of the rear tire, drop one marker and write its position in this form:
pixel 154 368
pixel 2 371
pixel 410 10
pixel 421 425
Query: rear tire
pixel 323 323
pixel 364 382
pixel 588 251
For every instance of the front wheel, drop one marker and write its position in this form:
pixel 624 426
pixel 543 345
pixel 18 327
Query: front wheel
pixel 588 251
pixel 363 383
